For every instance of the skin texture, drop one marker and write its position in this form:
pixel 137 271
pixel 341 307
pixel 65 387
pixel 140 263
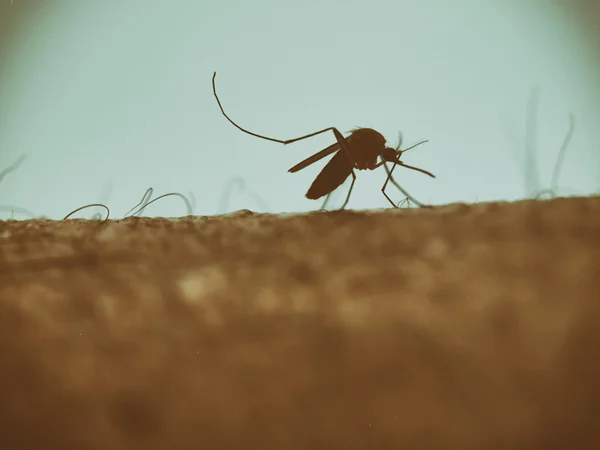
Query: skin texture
pixel 457 327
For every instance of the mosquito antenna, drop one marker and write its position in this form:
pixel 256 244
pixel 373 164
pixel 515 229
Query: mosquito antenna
pixel 561 153
pixel 399 141
pixel 235 124
pixel 412 146
pixel 89 206
pixel 393 155
pixel 143 201
pixel 177 194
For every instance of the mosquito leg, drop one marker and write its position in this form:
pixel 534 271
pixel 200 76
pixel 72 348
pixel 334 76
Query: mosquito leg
pixel 389 199
pixel 408 196
pixel 350 190
pixel 389 172
pixel 325 130
pixel 403 202
pixel 281 141
pixel 342 142
pixel 325 202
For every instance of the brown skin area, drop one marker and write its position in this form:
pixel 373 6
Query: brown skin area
pixel 458 327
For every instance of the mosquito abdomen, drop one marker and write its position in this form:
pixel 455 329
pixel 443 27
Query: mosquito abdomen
pixel 333 175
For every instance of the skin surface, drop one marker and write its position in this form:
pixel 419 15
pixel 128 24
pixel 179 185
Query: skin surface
pixel 457 327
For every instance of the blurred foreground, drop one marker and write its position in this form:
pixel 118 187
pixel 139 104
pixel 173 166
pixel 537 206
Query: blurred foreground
pixel 460 327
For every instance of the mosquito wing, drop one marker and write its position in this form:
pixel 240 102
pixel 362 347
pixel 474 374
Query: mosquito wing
pixel 316 157
pixel 335 172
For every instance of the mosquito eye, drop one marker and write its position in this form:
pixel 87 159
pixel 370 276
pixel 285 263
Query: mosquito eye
pixel 389 152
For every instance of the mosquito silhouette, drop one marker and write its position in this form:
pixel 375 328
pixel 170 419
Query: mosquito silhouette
pixel 359 150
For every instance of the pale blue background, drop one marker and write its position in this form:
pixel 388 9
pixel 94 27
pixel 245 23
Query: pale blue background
pixel 108 98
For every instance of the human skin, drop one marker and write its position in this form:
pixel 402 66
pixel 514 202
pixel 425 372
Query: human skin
pixel 456 327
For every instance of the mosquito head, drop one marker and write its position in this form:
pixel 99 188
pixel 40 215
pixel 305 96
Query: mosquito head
pixel 391 154
pixel 394 154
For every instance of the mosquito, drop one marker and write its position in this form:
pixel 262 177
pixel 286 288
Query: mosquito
pixel 360 150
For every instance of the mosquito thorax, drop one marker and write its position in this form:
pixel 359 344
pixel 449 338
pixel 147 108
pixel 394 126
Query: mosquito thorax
pixel 368 136
pixel 365 145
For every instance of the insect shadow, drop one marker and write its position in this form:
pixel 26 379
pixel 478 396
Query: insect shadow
pixel 360 150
